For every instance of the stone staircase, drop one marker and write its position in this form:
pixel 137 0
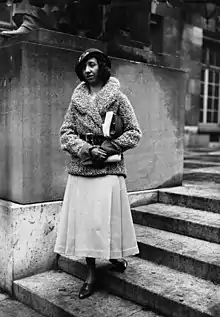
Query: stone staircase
pixel 12 308
pixel 177 273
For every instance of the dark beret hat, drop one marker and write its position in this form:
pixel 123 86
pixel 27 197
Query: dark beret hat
pixel 89 53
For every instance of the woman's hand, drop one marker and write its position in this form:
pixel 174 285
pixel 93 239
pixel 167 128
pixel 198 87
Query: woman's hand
pixel 97 154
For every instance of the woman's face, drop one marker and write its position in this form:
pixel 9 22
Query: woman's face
pixel 91 71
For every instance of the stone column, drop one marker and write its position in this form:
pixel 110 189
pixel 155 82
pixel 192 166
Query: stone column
pixel 191 53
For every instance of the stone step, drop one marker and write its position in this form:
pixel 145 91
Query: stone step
pixel 193 165
pixel 202 176
pixel 55 294
pixel 194 223
pixel 171 293
pixel 191 197
pixel 198 164
pixel 204 158
pixel 12 308
pixel 197 257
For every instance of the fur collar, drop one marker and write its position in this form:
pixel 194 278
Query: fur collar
pixel 81 99
pixel 106 96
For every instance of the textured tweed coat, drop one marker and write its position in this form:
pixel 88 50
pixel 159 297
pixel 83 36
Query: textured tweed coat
pixel 85 115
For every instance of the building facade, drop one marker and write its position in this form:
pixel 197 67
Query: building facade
pixel 193 35
pixel 186 38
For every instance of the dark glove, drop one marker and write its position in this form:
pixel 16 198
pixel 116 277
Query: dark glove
pixel 98 154
pixel 92 155
pixel 110 148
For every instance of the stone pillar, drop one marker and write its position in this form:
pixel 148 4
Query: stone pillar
pixel 185 40
pixel 36 83
pixel 37 80
pixel 191 53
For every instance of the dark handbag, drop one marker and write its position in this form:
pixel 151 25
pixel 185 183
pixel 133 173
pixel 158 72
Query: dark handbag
pixel 117 126
pixel 116 130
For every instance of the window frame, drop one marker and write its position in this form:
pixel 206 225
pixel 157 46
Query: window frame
pixel 208 83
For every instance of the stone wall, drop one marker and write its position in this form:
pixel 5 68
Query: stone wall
pixel 27 239
pixel 36 83
pixel 158 99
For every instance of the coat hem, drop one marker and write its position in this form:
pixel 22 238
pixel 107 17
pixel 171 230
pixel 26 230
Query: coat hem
pixel 95 175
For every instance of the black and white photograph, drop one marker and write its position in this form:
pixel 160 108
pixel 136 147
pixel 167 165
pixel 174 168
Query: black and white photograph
pixel 109 158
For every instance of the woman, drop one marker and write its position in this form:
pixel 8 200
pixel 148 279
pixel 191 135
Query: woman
pixel 96 220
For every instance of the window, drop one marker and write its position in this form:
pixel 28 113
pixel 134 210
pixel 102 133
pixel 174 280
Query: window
pixel 213 22
pixel 210 85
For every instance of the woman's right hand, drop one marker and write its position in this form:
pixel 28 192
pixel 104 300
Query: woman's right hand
pixel 98 154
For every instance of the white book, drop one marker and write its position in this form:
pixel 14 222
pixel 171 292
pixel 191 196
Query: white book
pixel 107 123
pixel 113 158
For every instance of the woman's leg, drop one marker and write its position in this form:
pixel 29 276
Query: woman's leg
pixel 89 285
pixel 91 270
pixel 119 265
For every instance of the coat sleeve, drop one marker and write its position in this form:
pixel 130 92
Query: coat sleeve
pixel 132 132
pixel 69 139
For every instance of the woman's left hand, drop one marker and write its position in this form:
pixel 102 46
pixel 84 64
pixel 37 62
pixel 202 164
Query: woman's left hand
pixel 98 154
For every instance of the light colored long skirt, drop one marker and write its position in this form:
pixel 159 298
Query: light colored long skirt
pixel 96 220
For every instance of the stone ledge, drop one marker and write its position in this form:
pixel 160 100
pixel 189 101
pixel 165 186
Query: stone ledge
pixel 27 239
pixel 55 39
pixel 141 198
pixel 78 43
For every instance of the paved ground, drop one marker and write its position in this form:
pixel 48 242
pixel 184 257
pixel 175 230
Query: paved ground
pixel 202 168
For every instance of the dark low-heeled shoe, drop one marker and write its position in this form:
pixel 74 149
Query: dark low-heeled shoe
pixel 119 265
pixel 87 290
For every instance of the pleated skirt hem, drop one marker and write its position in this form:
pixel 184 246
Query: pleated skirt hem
pixel 99 254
